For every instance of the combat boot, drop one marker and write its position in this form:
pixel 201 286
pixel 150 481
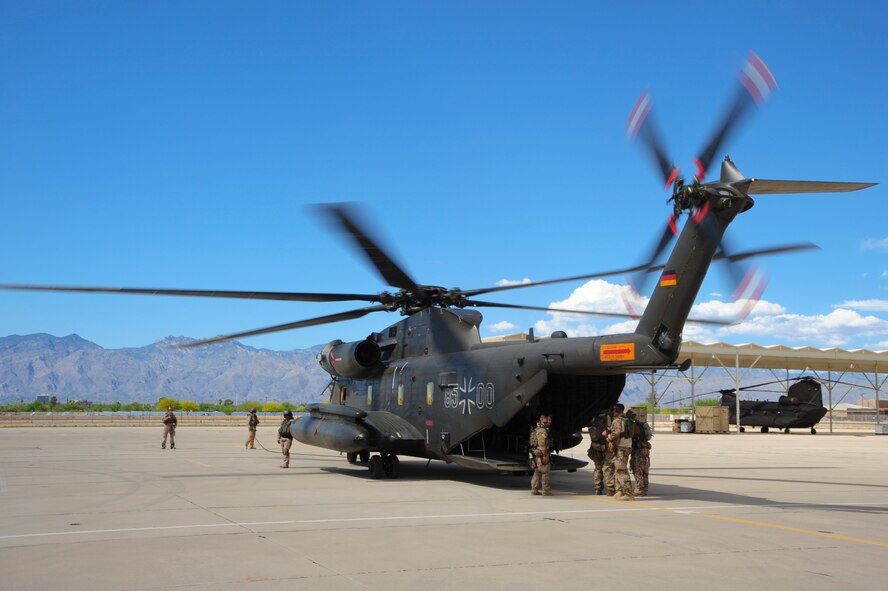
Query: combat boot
pixel 163 445
pixel 172 446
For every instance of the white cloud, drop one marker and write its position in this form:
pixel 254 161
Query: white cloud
pixel 875 244
pixel 768 322
pixel 502 326
pixel 597 295
pixel 506 282
pixel 867 305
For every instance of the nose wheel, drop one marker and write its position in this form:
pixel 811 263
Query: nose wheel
pixel 385 465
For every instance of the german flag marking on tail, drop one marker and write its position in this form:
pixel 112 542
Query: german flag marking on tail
pixel 618 352
pixel 668 279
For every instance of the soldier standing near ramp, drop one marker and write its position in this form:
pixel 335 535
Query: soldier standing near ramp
pixel 620 437
pixel 597 451
pixel 251 425
pixel 640 463
pixel 610 452
pixel 540 446
pixel 169 429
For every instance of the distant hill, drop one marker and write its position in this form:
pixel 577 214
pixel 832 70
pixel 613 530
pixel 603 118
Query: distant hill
pixel 73 368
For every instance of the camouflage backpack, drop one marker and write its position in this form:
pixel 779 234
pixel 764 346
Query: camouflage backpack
pixel 628 427
pixel 532 442
pixel 597 427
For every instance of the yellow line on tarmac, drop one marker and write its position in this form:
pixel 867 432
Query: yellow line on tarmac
pixel 743 521
pixel 797 530
pixel 198 463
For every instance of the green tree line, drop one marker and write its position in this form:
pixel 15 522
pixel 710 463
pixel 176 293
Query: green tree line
pixel 224 406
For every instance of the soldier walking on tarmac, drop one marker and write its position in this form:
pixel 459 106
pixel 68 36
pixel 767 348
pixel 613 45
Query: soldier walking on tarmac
pixel 251 425
pixel 169 429
pixel 540 448
pixel 620 438
pixel 597 451
pixel 285 438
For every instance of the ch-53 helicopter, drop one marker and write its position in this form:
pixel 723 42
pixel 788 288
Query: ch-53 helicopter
pixel 801 407
pixel 428 387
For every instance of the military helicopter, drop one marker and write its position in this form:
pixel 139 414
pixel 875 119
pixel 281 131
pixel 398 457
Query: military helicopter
pixel 800 408
pixel 428 387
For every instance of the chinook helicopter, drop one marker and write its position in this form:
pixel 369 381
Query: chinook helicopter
pixel 428 387
pixel 801 407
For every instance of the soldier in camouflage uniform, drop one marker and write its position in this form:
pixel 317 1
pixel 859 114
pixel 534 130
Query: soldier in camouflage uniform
pixel 169 429
pixel 540 447
pixel 598 449
pixel 640 462
pixel 609 455
pixel 620 437
pixel 251 425
pixel 285 438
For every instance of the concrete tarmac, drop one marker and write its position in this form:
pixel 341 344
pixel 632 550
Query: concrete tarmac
pixel 102 508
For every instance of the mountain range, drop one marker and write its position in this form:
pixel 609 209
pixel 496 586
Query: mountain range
pixel 72 368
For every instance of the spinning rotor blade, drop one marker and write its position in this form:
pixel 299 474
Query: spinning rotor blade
pixel 473 292
pixel 639 280
pixel 802 246
pixel 350 315
pixel 206 293
pixel 765 187
pixel 640 125
pixel 587 312
pixel 391 272
pixel 645 269
pixel 757 84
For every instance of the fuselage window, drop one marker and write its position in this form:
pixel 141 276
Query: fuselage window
pixel 430 393
pixel 369 395
pixel 342 392
pixel 400 394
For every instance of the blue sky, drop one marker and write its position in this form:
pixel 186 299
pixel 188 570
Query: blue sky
pixel 164 144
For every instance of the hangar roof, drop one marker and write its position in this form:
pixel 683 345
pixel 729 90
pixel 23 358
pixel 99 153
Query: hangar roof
pixel 783 357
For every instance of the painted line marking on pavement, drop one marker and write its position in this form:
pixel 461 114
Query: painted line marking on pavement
pixel 798 530
pixel 633 507
pixel 690 510
pixel 198 463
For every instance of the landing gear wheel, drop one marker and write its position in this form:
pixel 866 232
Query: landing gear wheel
pixel 813 431
pixel 364 456
pixel 392 466
pixel 786 430
pixel 377 470
pixel 743 429
pixel 352 457
pixel 764 429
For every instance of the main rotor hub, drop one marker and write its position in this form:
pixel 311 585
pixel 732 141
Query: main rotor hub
pixel 424 296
